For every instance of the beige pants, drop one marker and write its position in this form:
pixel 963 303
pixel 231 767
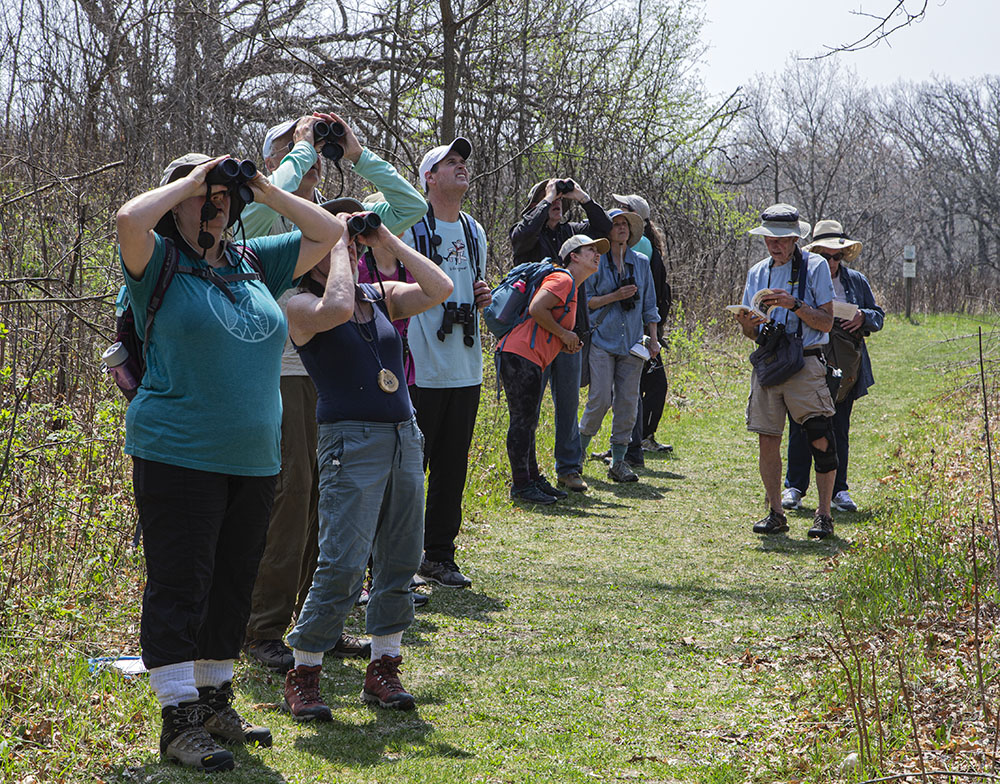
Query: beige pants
pixel 803 396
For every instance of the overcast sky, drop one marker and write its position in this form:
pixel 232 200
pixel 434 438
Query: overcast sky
pixel 956 39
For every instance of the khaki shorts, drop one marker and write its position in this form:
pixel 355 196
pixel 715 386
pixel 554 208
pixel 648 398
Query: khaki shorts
pixel 804 395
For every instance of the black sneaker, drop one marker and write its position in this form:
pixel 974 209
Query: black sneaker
pixel 543 484
pixel 774 523
pixel 273 654
pixel 603 456
pixel 444 573
pixel 419 599
pixel 225 722
pixel 531 493
pixel 351 647
pixel 822 527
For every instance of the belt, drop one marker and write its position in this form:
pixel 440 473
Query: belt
pixel 812 352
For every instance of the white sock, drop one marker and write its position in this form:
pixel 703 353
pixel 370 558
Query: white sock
pixel 173 683
pixel 308 658
pixel 213 672
pixel 386 645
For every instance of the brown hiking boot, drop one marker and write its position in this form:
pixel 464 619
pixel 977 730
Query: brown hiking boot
pixel 382 684
pixel 302 697
pixel 184 738
pixel 351 647
pixel 225 722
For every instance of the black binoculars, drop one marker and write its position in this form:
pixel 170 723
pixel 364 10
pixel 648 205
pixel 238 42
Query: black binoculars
pixel 769 331
pixel 234 175
pixel 330 134
pixel 564 186
pixel 455 313
pixel 628 304
pixel 364 224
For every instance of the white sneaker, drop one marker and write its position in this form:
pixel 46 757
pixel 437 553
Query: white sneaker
pixel 791 498
pixel 842 502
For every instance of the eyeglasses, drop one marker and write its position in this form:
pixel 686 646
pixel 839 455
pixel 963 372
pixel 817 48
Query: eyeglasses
pixel 831 256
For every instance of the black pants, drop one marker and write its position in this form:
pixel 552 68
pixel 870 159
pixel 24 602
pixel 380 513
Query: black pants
pixel 203 534
pixel 652 398
pixel 522 383
pixel 447 418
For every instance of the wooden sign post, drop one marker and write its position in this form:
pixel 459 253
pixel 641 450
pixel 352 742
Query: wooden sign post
pixel 909 272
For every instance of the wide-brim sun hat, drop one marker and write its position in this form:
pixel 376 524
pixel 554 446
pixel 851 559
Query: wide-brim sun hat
pixel 781 220
pixel 634 202
pixel 177 168
pixel 830 235
pixel 433 157
pixel 343 204
pixel 578 241
pixel 636 225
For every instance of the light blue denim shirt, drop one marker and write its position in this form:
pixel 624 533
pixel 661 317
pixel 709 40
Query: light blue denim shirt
pixel 620 329
pixel 819 291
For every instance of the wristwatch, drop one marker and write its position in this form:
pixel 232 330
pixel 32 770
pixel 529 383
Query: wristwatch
pixel 798 304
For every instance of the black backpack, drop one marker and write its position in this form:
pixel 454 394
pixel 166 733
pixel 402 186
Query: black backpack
pixel 127 336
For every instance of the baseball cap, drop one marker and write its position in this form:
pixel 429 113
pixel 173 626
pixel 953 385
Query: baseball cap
pixel 433 157
pixel 578 241
pixel 273 133
pixel 179 167
pixel 634 202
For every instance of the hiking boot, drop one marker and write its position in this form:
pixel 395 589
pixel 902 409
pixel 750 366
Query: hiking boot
pixel 605 456
pixel 843 502
pixel 225 722
pixel 634 462
pixel 622 472
pixel 302 697
pixel 382 684
pixel 351 647
pixel 273 654
pixel 543 484
pixel 531 493
pixel 650 444
pixel 791 498
pixel 774 523
pixel 572 481
pixel 444 573
pixel 822 527
pixel 184 738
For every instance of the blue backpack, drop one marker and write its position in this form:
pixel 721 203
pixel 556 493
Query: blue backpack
pixel 515 292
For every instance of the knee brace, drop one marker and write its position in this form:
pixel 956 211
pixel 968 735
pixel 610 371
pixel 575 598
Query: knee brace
pixel 817 428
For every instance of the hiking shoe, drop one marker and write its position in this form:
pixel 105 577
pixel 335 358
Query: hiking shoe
pixel 543 484
pixel 843 502
pixel 225 722
pixel 622 472
pixel 382 684
pixel 273 654
pixel 444 573
pixel 351 647
pixel 419 600
pixel 302 697
pixel 184 738
pixel 822 527
pixel 650 444
pixel 605 456
pixel 774 523
pixel 363 597
pixel 634 462
pixel 791 498
pixel 531 493
pixel 572 481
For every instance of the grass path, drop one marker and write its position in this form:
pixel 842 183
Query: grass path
pixel 636 633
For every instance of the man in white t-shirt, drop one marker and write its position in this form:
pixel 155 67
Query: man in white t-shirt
pixel 447 354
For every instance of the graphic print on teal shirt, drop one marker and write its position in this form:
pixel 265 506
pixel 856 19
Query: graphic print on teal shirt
pixel 210 396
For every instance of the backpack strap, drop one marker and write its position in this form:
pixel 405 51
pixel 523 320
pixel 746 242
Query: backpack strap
pixel 472 240
pixel 170 266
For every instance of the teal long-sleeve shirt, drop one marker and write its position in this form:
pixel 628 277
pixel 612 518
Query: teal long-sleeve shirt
pixel 403 205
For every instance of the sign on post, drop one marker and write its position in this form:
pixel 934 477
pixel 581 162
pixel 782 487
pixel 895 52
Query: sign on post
pixel 909 272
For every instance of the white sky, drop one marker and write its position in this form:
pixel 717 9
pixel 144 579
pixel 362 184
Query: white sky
pixel 956 39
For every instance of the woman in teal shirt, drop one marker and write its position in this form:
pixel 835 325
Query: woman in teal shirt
pixel 204 435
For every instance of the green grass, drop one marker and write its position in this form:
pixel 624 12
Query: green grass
pixel 638 632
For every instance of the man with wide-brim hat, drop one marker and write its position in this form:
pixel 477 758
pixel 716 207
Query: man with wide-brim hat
pixel 800 300
pixel 846 350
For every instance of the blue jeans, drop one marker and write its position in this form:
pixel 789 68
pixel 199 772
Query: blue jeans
pixel 371 501
pixel 800 457
pixel 564 375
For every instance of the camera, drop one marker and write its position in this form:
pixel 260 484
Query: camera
pixel 234 175
pixel 564 186
pixel 629 303
pixel 364 224
pixel 330 134
pixel 769 331
pixel 455 313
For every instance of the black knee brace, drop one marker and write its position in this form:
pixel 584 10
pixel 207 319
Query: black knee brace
pixel 817 428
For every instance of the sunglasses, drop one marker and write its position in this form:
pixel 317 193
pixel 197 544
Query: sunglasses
pixel 831 256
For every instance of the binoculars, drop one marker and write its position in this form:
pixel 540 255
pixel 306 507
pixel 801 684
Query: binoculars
pixel 234 175
pixel 364 224
pixel 564 186
pixel 769 331
pixel 330 134
pixel 455 313
pixel 628 304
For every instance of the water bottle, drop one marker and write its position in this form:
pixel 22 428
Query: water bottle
pixel 113 362
pixel 515 303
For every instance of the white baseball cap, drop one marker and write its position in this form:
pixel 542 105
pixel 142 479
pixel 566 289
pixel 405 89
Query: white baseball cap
pixel 273 133
pixel 461 145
